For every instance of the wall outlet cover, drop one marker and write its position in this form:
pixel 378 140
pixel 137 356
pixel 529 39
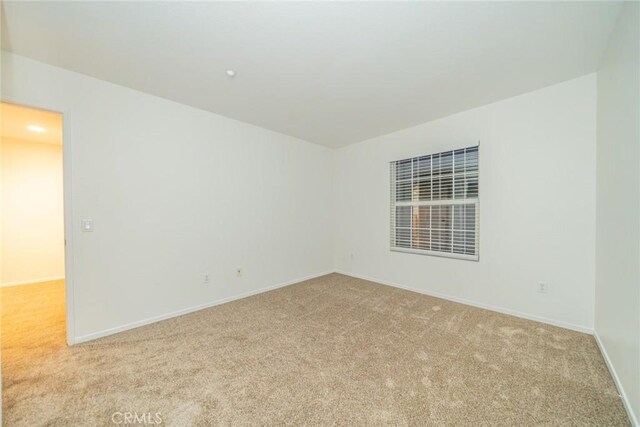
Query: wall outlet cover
pixel 542 287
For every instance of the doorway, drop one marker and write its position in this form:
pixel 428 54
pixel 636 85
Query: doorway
pixel 32 247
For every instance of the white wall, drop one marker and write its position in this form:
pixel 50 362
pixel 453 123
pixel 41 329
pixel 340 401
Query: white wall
pixel 32 220
pixel 537 205
pixel 617 308
pixel 176 192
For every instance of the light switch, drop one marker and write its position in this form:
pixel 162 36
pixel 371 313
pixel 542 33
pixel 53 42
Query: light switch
pixel 87 225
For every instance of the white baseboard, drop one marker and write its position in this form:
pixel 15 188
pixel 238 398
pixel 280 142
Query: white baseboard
pixel 627 405
pixel 503 310
pixel 137 324
pixel 31 281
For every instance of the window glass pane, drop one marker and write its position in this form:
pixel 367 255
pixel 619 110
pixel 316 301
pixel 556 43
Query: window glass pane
pixel 403 216
pixel 459 161
pixel 458 242
pixel 422 216
pixel 435 217
pixel 435 188
pixel 403 237
pixel 446 187
pixel 472 159
pixel 464 229
pixel 460 187
pixel 422 167
pixel 472 186
pixel 458 217
pixel 470 217
pixel 435 164
pixel 470 237
pixel 446 220
pixel 403 169
pixel 445 240
pixel 421 239
pixel 435 240
pixel 422 190
pixel 403 191
pixel 446 162
pixel 441 217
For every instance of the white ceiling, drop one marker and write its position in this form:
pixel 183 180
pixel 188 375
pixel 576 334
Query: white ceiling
pixel 333 73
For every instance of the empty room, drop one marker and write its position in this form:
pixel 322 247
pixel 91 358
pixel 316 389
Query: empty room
pixel 419 213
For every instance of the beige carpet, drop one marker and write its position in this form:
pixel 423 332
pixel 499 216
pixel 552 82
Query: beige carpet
pixel 333 350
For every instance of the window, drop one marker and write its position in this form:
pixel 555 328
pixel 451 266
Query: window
pixel 435 204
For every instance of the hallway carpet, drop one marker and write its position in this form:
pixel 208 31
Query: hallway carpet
pixel 332 350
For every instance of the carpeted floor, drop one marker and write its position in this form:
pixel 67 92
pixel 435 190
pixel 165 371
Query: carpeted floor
pixel 332 350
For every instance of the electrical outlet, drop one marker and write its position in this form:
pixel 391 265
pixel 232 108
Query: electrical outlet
pixel 238 272
pixel 542 287
pixel 352 257
pixel 206 278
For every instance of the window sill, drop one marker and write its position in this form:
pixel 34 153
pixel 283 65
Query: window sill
pixel 438 254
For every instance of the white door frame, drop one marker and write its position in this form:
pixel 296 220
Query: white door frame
pixel 67 137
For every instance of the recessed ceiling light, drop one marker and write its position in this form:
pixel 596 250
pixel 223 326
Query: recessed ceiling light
pixel 34 128
pixel 231 73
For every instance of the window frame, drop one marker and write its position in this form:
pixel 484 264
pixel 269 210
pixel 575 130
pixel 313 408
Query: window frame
pixel 475 201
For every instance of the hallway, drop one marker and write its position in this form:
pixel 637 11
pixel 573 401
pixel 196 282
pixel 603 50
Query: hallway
pixel 33 323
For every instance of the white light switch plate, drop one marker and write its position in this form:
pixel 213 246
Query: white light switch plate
pixel 87 225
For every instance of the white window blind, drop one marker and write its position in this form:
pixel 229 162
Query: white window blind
pixel 435 204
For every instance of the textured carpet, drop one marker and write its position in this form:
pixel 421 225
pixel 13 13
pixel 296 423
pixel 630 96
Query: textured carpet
pixel 332 350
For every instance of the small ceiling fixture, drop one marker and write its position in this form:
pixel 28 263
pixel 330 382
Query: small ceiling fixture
pixel 231 73
pixel 38 129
